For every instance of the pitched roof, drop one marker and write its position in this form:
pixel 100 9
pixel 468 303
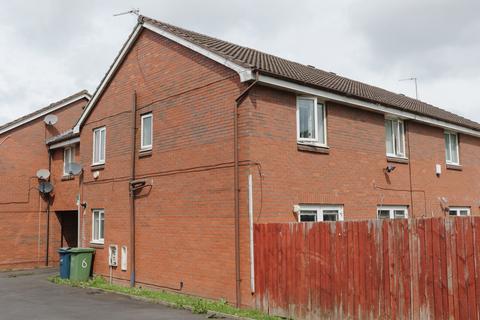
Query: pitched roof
pixel 43 111
pixel 295 72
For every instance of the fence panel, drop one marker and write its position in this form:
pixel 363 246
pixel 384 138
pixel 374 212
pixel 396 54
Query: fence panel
pixel 394 269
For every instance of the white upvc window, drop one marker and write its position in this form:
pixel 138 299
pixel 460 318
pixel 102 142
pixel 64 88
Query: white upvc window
pixel 392 212
pixel 311 121
pixel 459 211
pixel 98 226
pixel 395 138
pixel 68 157
pixel 99 142
pixel 314 212
pixel 146 135
pixel 451 148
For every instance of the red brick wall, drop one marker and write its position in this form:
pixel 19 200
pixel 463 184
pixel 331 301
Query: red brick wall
pixel 22 210
pixel 185 226
pixel 353 169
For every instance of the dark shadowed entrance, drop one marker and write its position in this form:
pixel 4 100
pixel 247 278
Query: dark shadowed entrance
pixel 69 228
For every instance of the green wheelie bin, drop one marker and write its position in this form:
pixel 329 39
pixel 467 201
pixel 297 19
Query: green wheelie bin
pixel 80 263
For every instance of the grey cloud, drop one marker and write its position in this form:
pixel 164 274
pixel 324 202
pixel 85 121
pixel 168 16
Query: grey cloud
pixel 58 47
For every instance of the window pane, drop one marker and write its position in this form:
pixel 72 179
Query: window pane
pixel 452 212
pixel 307 118
pixel 101 228
pixel 398 214
pixel 321 123
pixel 102 145
pixel 400 139
pixel 464 212
pixel 96 146
pixel 448 154
pixel 147 131
pixel 389 136
pixel 308 215
pixel 330 215
pixel 95 225
pixel 454 148
pixel 384 214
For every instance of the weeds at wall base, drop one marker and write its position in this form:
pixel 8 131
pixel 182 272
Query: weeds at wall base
pixel 196 305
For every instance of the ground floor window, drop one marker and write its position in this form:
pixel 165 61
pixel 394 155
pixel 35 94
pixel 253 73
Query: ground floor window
pixel 459 211
pixel 392 212
pixel 98 220
pixel 310 212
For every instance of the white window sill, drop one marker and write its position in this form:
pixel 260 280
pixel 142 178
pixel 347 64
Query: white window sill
pixel 143 149
pixel 313 144
pixel 97 242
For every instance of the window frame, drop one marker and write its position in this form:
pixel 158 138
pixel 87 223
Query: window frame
pixel 319 209
pixel 142 118
pixel 100 161
pixel 98 240
pixel 392 209
pixel 394 137
pixel 450 134
pixel 71 149
pixel 316 140
pixel 458 209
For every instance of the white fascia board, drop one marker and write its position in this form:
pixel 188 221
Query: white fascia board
pixel 244 73
pixel 301 89
pixel 44 113
pixel 68 142
pixel 107 78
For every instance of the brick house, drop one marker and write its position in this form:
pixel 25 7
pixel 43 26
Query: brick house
pixel 189 140
pixel 24 213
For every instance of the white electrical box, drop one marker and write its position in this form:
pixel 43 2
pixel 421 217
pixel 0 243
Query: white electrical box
pixel 438 169
pixel 124 258
pixel 113 255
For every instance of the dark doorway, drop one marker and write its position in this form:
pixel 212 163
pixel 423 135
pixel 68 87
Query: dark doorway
pixel 69 228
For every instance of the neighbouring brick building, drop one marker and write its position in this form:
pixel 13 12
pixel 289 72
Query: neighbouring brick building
pixel 177 201
pixel 23 211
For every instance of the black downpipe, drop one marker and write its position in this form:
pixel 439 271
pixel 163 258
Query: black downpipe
pixel 48 211
pixel 132 192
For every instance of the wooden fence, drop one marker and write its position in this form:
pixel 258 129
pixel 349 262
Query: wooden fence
pixel 378 269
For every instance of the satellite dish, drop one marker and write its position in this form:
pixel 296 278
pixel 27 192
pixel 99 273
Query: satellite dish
pixel 50 119
pixel 73 168
pixel 45 187
pixel 43 174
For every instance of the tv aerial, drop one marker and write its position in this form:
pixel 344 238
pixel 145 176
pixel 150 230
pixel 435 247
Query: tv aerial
pixel 43 174
pixel 45 187
pixel 73 168
pixel 133 11
pixel 50 119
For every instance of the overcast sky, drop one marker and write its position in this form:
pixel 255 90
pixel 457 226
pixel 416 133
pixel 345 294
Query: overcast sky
pixel 50 49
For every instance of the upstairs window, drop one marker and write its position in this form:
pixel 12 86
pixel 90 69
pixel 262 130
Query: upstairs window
pixel 451 148
pixel 146 132
pixel 392 212
pixel 459 211
pixel 395 138
pixel 311 121
pixel 68 157
pixel 98 225
pixel 320 213
pixel 99 139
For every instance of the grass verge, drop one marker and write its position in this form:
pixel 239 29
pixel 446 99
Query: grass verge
pixel 196 305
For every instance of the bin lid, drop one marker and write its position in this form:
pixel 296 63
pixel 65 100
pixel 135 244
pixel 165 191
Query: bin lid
pixel 64 250
pixel 81 250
